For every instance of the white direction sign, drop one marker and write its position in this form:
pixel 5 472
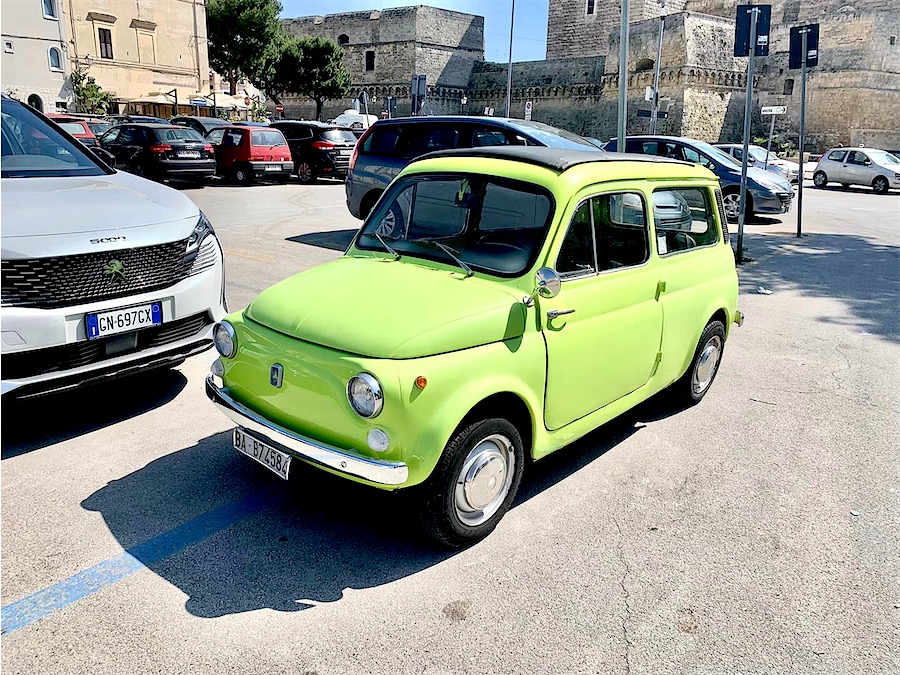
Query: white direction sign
pixel 774 109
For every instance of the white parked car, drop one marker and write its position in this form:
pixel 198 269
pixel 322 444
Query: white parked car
pixel 353 119
pixel 858 166
pixel 761 159
pixel 103 273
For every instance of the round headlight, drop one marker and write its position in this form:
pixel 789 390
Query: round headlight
pixel 225 339
pixel 365 395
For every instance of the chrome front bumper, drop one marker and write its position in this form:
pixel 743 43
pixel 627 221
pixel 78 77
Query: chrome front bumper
pixel 373 470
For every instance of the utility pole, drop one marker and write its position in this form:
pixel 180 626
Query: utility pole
pixel 659 40
pixel 623 76
pixel 804 54
pixel 512 20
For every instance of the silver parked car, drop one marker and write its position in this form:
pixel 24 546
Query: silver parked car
pixel 761 159
pixel 858 166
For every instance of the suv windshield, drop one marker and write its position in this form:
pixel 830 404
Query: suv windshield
pixel 551 136
pixel 491 224
pixel 31 147
pixel 339 136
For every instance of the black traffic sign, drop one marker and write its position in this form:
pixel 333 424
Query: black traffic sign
pixel 812 46
pixel 662 114
pixel 742 30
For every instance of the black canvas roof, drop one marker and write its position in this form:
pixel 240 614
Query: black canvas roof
pixel 551 158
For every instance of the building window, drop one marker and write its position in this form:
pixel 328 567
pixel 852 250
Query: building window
pixel 590 7
pixel 55 59
pixel 893 40
pixel 49 9
pixel 35 102
pixel 8 47
pixel 105 37
pixel 370 61
pixel 788 87
pixel 343 40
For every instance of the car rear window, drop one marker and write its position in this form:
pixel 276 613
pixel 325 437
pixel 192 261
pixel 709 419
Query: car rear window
pixel 339 136
pixel 72 127
pixel 99 128
pixel 268 138
pixel 178 135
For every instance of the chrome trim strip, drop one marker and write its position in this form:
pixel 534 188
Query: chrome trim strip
pixel 377 471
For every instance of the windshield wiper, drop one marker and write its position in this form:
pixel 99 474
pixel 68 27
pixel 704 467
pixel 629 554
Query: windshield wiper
pixel 387 246
pixel 449 251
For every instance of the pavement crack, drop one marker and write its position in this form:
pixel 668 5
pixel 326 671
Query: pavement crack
pixel 626 572
pixel 834 373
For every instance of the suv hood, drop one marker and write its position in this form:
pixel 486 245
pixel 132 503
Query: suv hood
pixel 387 309
pixel 65 206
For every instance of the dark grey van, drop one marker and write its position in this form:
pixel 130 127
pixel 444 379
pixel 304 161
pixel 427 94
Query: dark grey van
pixel 389 145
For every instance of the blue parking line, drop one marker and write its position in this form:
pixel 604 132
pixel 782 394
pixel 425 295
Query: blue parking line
pixel 50 600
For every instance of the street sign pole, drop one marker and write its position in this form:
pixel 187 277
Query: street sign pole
pixel 769 144
pixel 623 77
pixel 747 110
pixel 805 32
pixel 512 21
pixel 659 39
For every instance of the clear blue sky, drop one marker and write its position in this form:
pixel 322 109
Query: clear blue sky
pixel 530 33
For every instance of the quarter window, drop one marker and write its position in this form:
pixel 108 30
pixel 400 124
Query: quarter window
pixel 837 155
pixel 684 220
pixel 104 36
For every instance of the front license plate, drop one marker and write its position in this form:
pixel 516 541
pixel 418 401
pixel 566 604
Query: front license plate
pixel 276 461
pixel 189 154
pixel 273 167
pixel 123 320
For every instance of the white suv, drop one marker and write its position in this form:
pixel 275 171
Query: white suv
pixel 103 273
pixel 858 166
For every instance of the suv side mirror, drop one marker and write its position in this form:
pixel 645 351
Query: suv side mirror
pixel 547 284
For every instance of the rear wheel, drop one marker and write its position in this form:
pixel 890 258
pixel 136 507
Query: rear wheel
pixel 880 185
pixel 694 384
pixel 243 174
pixel 474 483
pixel 820 179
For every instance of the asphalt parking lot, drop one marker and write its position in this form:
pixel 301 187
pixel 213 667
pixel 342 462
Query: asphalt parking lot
pixel 758 532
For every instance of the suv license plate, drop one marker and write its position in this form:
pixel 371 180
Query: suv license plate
pixel 189 154
pixel 114 321
pixel 276 461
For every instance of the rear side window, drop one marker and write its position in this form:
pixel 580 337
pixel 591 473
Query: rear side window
pixel 684 220
pixel 296 132
pixel 423 138
pixel 383 141
pixel 837 155
pixel 339 136
pixel 488 137
pixel 185 134
pixel 266 138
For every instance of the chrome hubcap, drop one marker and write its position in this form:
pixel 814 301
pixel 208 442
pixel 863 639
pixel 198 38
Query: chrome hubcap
pixel 732 205
pixel 484 480
pixel 819 179
pixel 304 172
pixel 706 364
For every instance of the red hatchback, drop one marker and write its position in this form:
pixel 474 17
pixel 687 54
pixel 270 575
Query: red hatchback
pixel 244 154
pixel 75 127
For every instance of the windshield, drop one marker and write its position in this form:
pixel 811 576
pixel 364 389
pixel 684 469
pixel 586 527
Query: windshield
pixel 551 136
pixel 882 157
pixel 178 135
pixel 760 153
pixel 491 224
pixel 339 136
pixel 268 138
pixel 31 147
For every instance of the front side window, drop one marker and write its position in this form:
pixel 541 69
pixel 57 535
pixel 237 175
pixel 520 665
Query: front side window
pixel 104 37
pixel 32 148
pixel 493 225
pixel 857 157
pixel 684 219
pixel 214 137
pixel 232 139
pixel 607 232
pixel 837 155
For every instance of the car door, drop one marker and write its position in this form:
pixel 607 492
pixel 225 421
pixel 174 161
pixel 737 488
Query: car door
pixel 856 168
pixel 833 165
pixel 603 330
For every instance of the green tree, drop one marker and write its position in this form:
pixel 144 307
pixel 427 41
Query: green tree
pixel 279 75
pixel 321 74
pixel 89 96
pixel 241 36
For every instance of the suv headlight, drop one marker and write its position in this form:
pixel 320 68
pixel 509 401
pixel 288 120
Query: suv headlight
pixel 202 230
pixel 225 339
pixel 365 395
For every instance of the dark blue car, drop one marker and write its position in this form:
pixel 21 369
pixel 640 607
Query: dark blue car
pixel 768 193
pixel 389 145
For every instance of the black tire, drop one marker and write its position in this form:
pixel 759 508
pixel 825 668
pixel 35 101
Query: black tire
pixel 368 203
pixel 439 497
pixel 881 185
pixel 845 185
pixel 306 174
pixel 732 198
pixel 820 179
pixel 243 174
pixel 693 385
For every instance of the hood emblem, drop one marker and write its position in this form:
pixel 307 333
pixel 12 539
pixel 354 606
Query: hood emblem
pixel 115 269
pixel 276 375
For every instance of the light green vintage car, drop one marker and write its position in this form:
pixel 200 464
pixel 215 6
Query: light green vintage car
pixel 497 304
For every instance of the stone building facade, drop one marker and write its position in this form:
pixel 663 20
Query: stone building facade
pixel 384 49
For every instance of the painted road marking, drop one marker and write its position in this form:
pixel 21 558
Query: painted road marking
pixel 52 599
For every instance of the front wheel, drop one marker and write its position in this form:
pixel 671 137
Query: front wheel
pixel 474 483
pixel 305 173
pixel 880 185
pixel 820 179
pixel 694 384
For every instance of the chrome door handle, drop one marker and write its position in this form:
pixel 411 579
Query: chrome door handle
pixel 553 313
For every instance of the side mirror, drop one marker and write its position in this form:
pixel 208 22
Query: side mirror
pixel 104 156
pixel 547 284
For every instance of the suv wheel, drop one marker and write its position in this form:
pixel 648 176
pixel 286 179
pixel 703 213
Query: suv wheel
pixel 305 173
